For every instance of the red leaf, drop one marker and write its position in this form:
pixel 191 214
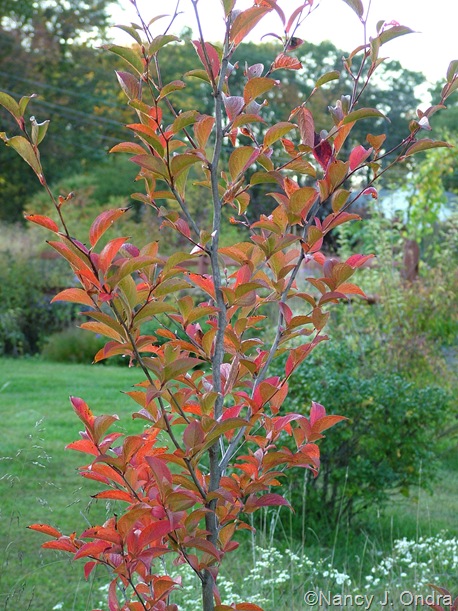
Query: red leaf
pixel 245 22
pixel 46 529
pixel 358 155
pixel 204 545
pixel 154 532
pixel 113 603
pixel 83 411
pixel 296 13
pixel 44 221
pixel 88 568
pixel 286 62
pixel 326 422
pixel 209 57
pixel 351 289
pixel 306 127
pixel 104 222
pixel 193 435
pixel 358 260
pixel 268 500
pixel 323 153
pixel 317 411
pixel 370 191
pixel 109 252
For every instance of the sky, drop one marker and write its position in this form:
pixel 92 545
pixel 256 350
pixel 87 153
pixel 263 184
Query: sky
pixel 429 50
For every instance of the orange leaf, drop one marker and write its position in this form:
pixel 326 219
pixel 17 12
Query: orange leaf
pixel 63 545
pixel 46 529
pixel 104 222
pixel 245 22
pixel 286 62
pixel 44 221
pixel 115 495
pixel 74 296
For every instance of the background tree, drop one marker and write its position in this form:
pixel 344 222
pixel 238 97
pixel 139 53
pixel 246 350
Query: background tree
pixel 48 48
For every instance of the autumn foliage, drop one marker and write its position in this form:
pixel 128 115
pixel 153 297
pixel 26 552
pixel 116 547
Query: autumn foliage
pixel 210 450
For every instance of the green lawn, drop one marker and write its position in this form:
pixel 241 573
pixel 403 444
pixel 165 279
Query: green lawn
pixel 38 483
pixel 38 480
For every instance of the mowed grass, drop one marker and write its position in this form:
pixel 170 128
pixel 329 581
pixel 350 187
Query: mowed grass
pixel 39 483
pixel 38 479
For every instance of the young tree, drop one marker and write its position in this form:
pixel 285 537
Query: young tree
pixel 206 372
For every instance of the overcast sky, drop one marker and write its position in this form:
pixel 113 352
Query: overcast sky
pixel 429 51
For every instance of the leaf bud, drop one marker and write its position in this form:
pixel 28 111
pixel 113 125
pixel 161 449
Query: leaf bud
pixel 345 101
pixel 336 112
pixel 253 71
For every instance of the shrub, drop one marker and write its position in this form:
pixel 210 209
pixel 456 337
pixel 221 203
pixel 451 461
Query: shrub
pixel 388 445
pixel 72 345
pixel 26 315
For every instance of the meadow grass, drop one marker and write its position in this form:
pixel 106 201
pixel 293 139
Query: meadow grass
pixel 39 483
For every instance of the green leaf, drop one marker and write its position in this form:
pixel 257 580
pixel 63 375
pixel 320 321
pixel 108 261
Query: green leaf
pixel 180 163
pixel 129 84
pixel 184 119
pixel 180 367
pixel 257 86
pixel 424 145
pixel 357 6
pixel 24 101
pixel 154 164
pixel 394 32
pixel 266 177
pixel 452 70
pixel 131 31
pixel 200 74
pixel 325 78
pixel 23 147
pixel 160 41
pixel 229 424
pixel 128 55
pixel 363 113
pixel 10 104
pixel 39 131
pixel 170 88
pixel 228 5
pixel 244 119
pixel 276 132
pixel 153 309
pixel 240 159
pixel 140 106
pixel 339 199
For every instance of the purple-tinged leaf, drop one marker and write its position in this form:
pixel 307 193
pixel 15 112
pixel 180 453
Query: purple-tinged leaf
pixel 424 145
pixel 357 6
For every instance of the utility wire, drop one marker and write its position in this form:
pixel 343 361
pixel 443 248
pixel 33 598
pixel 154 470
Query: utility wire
pixel 60 90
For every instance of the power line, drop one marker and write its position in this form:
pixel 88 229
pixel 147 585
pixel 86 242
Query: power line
pixel 66 111
pixel 60 90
